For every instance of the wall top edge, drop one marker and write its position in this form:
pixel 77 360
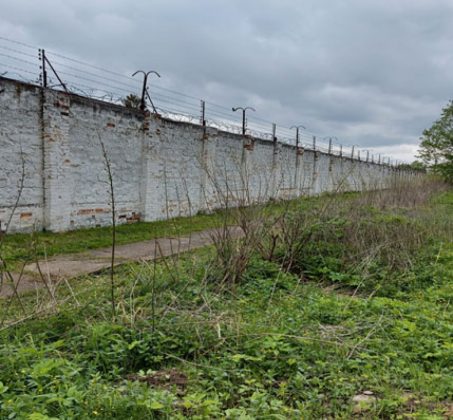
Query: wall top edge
pixel 80 99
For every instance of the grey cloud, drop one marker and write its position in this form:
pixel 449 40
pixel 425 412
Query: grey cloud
pixel 370 72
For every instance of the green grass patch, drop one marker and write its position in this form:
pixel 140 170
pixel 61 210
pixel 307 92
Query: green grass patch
pixel 20 247
pixel 278 344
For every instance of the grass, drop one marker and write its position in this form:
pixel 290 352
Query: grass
pixel 322 337
pixel 17 246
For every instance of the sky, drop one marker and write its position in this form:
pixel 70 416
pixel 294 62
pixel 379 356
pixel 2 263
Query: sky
pixel 372 73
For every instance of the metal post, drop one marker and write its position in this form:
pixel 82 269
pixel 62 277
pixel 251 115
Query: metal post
pixel 144 87
pixel 379 160
pixel 341 150
pixel 234 109
pixel 352 152
pixel 330 145
pixel 203 113
pixel 142 101
pixel 297 127
pixel 151 101
pixel 314 143
pixel 44 71
pixel 367 155
pixel 358 155
pixel 54 71
pixel 274 132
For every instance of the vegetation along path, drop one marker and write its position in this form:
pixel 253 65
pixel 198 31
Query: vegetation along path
pixel 336 307
pixel 67 266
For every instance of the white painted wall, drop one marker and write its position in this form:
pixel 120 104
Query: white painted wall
pixel 161 168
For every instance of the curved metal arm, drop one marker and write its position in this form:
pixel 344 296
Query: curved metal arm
pixel 297 127
pixel 146 74
pixel 234 109
pixel 145 87
pixel 243 109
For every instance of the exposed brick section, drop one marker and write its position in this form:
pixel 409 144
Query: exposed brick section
pixel 26 216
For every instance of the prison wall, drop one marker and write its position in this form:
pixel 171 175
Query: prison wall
pixel 55 149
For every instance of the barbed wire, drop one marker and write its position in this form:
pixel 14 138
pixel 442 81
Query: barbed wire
pixel 16 51
pixel 92 81
pixel 13 41
pixel 19 69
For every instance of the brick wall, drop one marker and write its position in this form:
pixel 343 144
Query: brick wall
pixel 50 149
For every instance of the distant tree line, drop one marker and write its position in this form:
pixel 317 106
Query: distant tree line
pixel 436 147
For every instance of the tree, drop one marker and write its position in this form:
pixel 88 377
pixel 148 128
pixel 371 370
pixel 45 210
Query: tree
pixel 132 101
pixel 436 148
pixel 416 165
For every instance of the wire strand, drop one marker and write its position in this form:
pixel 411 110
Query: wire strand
pixel 18 52
pixel 18 42
pixel 107 84
pixel 114 73
pixel 18 59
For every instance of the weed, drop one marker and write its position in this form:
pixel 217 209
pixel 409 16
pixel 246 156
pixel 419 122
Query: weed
pixel 341 308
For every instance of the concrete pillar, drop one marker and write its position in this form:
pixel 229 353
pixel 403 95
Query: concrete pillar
pixel 57 185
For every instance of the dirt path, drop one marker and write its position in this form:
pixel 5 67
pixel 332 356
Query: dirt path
pixel 75 265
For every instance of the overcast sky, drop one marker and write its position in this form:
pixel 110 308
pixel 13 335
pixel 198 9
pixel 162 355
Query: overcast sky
pixel 370 72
